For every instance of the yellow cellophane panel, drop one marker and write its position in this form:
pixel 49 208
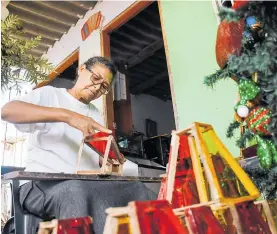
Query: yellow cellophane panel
pixel 201 180
pixel 209 142
pixel 231 183
pixel 123 225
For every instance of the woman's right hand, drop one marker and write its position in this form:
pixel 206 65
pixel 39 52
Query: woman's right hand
pixel 85 124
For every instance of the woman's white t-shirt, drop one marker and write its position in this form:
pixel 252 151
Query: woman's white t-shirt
pixel 54 146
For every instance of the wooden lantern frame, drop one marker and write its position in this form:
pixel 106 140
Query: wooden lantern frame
pixel 109 166
pixel 201 156
pixel 57 226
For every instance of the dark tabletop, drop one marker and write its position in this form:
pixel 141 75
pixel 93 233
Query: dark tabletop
pixel 26 175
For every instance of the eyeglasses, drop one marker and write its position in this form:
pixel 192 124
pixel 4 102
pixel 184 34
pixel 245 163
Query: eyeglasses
pixel 96 80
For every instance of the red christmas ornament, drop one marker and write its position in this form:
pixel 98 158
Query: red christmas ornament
pixel 228 41
pixel 238 4
pixel 229 36
pixel 258 120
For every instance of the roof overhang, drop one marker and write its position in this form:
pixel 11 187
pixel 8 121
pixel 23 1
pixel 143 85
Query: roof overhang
pixel 48 19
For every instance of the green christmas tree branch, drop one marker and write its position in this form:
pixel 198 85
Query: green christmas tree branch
pixel 219 75
pixel 265 180
pixel 246 136
pixel 231 128
pixel 228 14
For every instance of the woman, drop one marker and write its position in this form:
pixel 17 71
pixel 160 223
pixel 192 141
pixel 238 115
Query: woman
pixel 58 119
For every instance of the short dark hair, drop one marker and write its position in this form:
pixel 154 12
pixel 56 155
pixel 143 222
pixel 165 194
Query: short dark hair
pixel 102 60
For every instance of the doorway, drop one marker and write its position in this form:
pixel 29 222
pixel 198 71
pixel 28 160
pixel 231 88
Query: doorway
pixel 141 101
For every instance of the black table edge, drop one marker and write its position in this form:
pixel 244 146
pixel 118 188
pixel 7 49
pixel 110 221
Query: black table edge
pixel 24 175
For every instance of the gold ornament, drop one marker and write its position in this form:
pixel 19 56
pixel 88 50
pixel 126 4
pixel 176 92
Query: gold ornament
pixel 250 104
pixel 255 77
pixel 237 118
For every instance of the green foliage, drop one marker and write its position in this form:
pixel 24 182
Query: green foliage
pixel 228 14
pixel 231 129
pixel 265 180
pixel 246 136
pixel 17 64
pixel 211 80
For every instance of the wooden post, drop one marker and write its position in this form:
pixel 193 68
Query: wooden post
pixel 108 164
pixel 173 155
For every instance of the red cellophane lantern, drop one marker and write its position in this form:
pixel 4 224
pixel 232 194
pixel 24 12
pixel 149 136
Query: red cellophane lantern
pixel 157 217
pixel 202 221
pixel 100 146
pixel 185 190
pixel 82 225
pixel 251 219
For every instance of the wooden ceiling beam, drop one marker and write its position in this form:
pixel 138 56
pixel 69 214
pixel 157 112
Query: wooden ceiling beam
pixel 120 52
pixel 145 53
pixel 149 83
pixel 145 33
pixel 119 44
pixel 128 36
pixel 149 67
pixel 148 24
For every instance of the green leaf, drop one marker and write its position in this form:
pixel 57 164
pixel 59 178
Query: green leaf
pixel 15 54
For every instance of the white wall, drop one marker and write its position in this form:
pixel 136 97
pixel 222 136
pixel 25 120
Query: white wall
pixel 146 106
pixel 71 41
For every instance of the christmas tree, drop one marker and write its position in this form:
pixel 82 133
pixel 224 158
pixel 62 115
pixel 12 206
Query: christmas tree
pixel 246 51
